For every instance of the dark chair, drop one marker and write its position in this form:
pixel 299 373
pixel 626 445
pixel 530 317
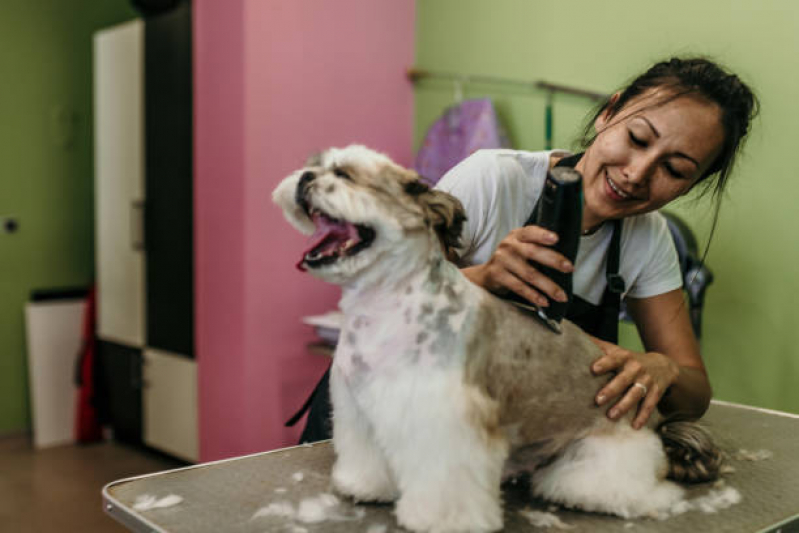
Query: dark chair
pixel 695 274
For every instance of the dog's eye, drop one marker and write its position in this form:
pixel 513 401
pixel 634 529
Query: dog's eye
pixel 341 174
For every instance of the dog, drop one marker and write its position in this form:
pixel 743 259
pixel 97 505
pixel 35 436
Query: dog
pixel 441 390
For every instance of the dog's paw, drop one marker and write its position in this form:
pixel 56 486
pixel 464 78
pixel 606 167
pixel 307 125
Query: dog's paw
pixel 442 515
pixel 364 486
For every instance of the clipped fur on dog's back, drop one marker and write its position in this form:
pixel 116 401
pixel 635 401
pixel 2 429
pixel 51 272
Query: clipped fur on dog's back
pixel 518 363
pixel 522 365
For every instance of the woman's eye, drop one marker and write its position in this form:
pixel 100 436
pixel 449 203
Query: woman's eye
pixel 636 141
pixel 673 171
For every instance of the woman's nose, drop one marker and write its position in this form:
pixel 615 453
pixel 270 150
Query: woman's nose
pixel 639 170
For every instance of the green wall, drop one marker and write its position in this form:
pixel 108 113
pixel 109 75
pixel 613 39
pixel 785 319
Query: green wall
pixel 751 319
pixel 46 166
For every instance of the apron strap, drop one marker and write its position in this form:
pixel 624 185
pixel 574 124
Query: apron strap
pixel 602 320
pixel 611 298
pixel 616 283
pixel 320 388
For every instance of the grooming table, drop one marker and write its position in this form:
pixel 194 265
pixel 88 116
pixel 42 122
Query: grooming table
pixel 226 496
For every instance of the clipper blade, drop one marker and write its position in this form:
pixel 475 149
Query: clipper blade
pixel 540 314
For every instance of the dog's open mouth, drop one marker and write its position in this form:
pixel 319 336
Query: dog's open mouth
pixel 334 239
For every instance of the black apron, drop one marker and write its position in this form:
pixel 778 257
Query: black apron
pixel 601 321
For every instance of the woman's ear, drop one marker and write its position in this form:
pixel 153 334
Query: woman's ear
pixel 603 119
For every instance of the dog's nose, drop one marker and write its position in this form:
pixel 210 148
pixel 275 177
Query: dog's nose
pixel 306 177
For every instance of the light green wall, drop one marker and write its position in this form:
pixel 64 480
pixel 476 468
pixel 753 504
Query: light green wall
pixel 46 166
pixel 751 322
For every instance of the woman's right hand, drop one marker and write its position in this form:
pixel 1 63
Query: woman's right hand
pixel 508 268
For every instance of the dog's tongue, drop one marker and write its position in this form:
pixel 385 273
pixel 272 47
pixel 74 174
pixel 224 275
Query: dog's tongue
pixel 329 235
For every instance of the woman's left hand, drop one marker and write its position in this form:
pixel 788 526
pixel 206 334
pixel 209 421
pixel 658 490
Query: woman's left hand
pixel 641 380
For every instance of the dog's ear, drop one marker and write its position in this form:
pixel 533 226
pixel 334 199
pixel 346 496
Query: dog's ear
pixel 416 187
pixel 442 210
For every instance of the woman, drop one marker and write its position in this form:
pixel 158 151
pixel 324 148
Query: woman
pixel 679 124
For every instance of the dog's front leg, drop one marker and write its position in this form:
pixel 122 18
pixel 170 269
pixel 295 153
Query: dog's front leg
pixel 447 460
pixel 360 470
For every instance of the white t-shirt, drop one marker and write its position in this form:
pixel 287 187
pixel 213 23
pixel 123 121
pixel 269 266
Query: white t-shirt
pixel 499 188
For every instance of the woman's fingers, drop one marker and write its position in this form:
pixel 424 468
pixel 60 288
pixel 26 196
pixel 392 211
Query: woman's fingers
pixel 634 395
pixel 545 256
pixel 636 389
pixel 641 381
pixel 506 279
pixel 510 269
pixel 614 357
pixel 535 234
pixel 646 408
pixel 531 277
pixel 534 243
pixel 619 384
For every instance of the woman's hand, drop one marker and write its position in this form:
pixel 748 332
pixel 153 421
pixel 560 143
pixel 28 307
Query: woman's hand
pixel 641 380
pixel 508 268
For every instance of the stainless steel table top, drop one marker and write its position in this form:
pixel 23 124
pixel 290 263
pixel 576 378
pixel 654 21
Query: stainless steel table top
pixel 226 496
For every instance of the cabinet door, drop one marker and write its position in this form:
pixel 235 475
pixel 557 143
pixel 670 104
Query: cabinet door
pixel 168 154
pixel 170 404
pixel 119 181
pixel 118 390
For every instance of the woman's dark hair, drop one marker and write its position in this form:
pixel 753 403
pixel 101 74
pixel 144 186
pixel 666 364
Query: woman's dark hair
pixel 695 77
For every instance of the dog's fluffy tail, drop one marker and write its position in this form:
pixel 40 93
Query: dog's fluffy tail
pixel 693 455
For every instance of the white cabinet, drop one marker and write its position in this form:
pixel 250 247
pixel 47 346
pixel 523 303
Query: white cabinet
pixel 143 231
pixel 169 403
pixel 119 181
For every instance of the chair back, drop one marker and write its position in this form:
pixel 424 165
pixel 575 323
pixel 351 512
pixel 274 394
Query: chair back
pixel 695 274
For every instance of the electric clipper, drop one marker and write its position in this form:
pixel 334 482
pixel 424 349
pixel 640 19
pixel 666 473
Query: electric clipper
pixel 559 210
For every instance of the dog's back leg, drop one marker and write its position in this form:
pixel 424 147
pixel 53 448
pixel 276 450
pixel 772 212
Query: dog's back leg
pixel 360 470
pixel 446 457
pixel 616 470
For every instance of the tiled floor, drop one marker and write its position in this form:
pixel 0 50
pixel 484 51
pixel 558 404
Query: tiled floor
pixel 59 489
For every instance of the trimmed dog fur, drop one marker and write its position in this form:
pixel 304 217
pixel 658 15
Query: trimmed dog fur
pixel 440 389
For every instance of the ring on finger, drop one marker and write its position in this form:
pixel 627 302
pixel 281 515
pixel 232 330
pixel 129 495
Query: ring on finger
pixel 642 386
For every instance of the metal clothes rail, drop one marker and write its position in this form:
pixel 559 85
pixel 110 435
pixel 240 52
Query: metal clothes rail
pixel 416 74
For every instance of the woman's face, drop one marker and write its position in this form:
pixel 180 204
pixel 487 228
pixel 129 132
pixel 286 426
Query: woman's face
pixel 648 154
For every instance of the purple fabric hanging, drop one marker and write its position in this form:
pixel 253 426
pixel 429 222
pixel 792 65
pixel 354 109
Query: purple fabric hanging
pixel 462 130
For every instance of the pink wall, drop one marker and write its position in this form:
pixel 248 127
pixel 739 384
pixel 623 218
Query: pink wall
pixel 274 82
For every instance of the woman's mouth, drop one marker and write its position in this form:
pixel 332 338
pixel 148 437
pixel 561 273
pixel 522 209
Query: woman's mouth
pixel 616 192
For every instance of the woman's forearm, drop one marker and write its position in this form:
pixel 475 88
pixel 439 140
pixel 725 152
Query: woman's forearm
pixel 688 397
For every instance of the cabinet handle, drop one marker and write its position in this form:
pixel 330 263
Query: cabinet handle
pixel 137 225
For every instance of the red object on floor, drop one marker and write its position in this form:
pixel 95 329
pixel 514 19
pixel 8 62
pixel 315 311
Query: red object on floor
pixel 87 424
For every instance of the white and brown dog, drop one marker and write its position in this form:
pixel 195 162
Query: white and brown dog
pixel 438 387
